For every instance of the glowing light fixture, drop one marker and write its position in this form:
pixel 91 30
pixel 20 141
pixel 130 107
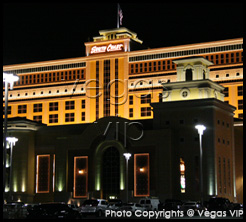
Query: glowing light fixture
pixel 141 169
pixel 10 78
pixel 81 171
pixel 200 129
pixel 127 156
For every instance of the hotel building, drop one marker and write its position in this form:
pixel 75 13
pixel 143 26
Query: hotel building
pixel 71 117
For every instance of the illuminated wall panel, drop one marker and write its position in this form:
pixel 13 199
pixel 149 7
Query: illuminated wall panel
pixel 182 176
pixel 80 177
pixel 43 174
pixel 141 174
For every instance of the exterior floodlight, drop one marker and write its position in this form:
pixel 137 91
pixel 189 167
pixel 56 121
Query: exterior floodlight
pixel 10 78
pixel 200 129
pixel 12 140
pixel 127 155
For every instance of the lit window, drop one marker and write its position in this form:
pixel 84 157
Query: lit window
pixel 53 118
pixel 240 104
pixel 182 175
pixel 43 174
pixel 83 104
pixel 146 111
pixel 53 106
pixel 69 105
pixel 131 112
pixel 37 119
pixel 69 117
pixel 37 107
pixel 21 109
pixel 226 92
pixel 83 116
pixel 145 99
pixel 240 90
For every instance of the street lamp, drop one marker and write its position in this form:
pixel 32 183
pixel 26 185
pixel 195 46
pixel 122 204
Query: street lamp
pixel 200 129
pixel 11 141
pixel 127 156
pixel 9 79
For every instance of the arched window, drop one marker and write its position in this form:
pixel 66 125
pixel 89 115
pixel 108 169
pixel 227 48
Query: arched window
pixel 111 172
pixel 204 74
pixel 188 75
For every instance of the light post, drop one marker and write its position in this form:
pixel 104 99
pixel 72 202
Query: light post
pixel 11 141
pixel 127 156
pixel 9 79
pixel 200 129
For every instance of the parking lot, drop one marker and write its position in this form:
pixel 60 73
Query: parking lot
pixel 147 208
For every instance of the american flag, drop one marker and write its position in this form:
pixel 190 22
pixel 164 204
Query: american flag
pixel 120 14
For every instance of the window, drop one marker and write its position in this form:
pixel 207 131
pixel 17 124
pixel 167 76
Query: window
pixel 83 116
pixel 69 105
pixel 182 176
pixel 220 175
pixel 69 117
pixel 80 177
pixel 240 104
pixel 160 97
pixel 141 175
pixel 188 75
pixel 131 112
pixel 240 115
pixel 145 99
pixel 21 109
pixel 53 106
pixel 8 110
pixel 224 172
pixel 37 119
pixel 37 107
pixel 53 118
pixel 240 90
pixel 83 104
pixel 226 92
pixel 42 173
pixel 146 111
pixel 130 100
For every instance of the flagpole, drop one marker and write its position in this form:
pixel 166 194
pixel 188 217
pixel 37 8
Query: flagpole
pixel 118 17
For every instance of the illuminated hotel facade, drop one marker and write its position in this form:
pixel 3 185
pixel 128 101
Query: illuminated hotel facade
pixel 65 101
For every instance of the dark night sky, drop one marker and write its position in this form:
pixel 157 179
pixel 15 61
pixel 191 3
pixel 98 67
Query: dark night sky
pixel 35 32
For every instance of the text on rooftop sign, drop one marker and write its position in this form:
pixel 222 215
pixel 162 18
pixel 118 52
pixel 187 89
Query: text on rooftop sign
pixel 107 48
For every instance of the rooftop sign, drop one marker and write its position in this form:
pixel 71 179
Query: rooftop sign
pixel 107 48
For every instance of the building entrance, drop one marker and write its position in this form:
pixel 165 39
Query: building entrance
pixel 111 172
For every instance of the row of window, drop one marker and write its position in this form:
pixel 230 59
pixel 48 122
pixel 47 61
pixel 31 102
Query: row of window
pixel 51 77
pixel 144 111
pixel 224 170
pixel 69 117
pixel 80 181
pixel 42 92
pixel 53 106
pixel 48 68
pixel 227 75
pixel 186 52
pixel 163 65
pixel 152 66
pixel 239 91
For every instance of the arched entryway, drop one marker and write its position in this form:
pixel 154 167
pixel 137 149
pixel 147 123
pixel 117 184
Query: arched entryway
pixel 110 169
pixel 110 173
